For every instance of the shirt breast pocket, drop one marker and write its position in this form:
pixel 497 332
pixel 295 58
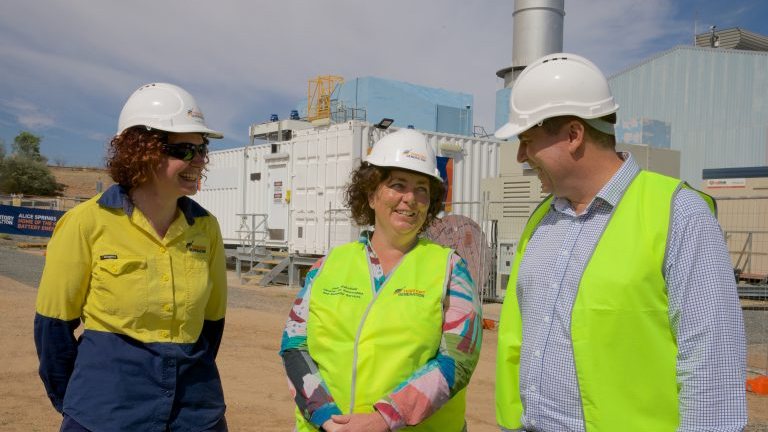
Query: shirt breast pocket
pixel 120 286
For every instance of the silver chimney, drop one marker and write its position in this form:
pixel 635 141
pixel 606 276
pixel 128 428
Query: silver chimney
pixel 537 31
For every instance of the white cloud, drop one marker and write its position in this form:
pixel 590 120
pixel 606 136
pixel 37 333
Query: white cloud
pixel 27 114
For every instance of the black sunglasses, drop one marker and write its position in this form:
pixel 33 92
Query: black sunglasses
pixel 185 151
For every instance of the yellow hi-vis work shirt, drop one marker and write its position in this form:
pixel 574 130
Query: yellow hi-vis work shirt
pixel 152 310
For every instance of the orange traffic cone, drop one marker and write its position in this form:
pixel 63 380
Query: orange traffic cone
pixel 758 385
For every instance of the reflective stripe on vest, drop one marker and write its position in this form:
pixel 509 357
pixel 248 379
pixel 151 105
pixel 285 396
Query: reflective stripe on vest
pixel 366 344
pixel 624 349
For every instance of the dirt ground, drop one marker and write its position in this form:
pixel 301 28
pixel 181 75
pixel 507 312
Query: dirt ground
pixel 254 382
pixel 80 182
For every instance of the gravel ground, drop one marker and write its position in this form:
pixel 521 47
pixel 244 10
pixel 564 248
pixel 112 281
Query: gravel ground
pixel 25 267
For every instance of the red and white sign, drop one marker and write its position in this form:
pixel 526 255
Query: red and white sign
pixel 735 183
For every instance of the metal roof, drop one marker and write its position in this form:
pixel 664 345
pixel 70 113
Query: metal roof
pixel 726 173
pixel 719 51
pixel 733 38
pixel 716 101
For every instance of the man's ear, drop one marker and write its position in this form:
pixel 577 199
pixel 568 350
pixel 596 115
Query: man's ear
pixel 576 134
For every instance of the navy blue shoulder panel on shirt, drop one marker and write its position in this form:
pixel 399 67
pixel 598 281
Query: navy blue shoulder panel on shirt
pixel 117 197
pixel 191 209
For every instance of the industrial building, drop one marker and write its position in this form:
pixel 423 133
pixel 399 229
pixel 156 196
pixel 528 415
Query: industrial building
pixel 742 201
pixel 421 107
pixel 713 99
pixel 279 199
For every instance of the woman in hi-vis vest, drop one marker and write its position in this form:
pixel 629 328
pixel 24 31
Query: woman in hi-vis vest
pixel 387 330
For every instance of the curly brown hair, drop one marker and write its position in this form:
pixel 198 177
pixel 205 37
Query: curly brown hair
pixel 135 154
pixel 364 182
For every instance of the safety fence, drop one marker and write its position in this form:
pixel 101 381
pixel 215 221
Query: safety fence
pixel 48 203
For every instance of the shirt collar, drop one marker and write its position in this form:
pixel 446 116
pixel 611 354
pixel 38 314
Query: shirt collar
pixel 117 197
pixel 612 191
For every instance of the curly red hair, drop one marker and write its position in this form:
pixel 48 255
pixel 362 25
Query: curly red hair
pixel 135 154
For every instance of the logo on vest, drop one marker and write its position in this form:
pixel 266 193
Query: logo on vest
pixel 343 291
pixel 409 292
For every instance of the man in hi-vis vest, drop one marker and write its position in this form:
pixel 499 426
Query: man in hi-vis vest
pixel 621 312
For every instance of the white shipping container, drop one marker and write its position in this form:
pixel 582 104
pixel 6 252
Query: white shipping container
pixel 301 185
pixel 234 184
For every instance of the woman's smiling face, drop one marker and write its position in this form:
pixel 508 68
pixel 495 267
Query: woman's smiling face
pixel 401 203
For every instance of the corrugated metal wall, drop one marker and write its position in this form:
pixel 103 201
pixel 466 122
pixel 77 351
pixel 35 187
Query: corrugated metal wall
pixel 319 162
pixel 222 189
pixel 715 100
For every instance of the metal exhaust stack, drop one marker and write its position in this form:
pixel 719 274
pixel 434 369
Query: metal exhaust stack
pixel 537 31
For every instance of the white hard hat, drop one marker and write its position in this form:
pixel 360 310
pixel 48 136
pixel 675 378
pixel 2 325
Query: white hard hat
pixel 164 107
pixel 558 85
pixel 406 149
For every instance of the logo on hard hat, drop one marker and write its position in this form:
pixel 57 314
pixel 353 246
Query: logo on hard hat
pixel 195 114
pixel 408 153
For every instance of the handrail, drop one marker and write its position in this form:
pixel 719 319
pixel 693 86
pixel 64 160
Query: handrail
pixel 249 241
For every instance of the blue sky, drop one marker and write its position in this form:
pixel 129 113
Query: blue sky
pixel 68 67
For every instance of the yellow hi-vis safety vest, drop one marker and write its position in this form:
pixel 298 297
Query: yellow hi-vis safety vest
pixel 366 344
pixel 623 347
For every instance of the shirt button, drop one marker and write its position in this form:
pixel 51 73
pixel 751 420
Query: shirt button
pixel 165 278
pixel 164 333
pixel 168 307
pixel 537 353
pixel 532 422
pixel 163 250
pixel 564 253
pixel 546 319
pixel 532 388
pixel 553 285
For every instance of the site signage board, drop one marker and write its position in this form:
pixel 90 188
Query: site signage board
pixel 28 221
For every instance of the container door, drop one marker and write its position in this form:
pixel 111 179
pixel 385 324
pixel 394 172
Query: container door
pixel 277 209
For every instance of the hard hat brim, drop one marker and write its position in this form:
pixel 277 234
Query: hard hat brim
pixel 210 133
pixel 507 131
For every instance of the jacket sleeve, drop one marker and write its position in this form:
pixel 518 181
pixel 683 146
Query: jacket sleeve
pixel 60 299
pixel 310 392
pixel 56 350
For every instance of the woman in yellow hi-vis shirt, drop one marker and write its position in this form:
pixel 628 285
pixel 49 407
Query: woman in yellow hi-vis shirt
pixel 387 330
pixel 142 267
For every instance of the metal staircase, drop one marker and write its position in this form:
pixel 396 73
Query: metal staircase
pixel 265 265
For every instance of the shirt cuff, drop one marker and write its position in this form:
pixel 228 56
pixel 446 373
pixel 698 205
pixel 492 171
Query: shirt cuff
pixel 324 413
pixel 391 415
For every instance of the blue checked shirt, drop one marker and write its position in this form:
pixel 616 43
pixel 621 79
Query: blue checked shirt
pixel 704 312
